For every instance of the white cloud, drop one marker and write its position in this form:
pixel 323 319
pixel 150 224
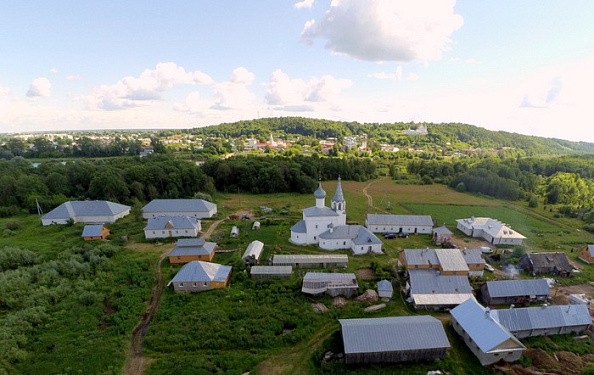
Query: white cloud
pixel 234 93
pixel 4 92
pixel 395 76
pixel 138 91
pixel 39 87
pixel 194 103
pixel 412 77
pixel 386 30
pixel 73 77
pixel 295 94
pixel 54 70
pixel 304 4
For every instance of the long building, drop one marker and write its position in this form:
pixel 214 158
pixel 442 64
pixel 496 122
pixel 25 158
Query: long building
pixel 491 230
pixel 381 223
pixel 311 260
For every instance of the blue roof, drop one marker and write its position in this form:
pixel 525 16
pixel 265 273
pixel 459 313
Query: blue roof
pixel 338 196
pixel 190 242
pixel 480 325
pixel 516 288
pixel 177 222
pixel 528 318
pixel 398 333
pixel 319 211
pixel 198 271
pixel 399 220
pixel 92 230
pixel 385 285
pixel 320 192
pixel 591 250
pixel 178 205
pixel 78 209
pixel 431 282
pixel 299 227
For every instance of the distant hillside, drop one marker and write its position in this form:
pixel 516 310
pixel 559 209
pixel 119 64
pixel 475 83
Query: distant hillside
pixel 457 135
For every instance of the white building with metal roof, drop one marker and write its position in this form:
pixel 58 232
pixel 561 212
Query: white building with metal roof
pixel 172 226
pixel 428 289
pixel 515 291
pixel 319 218
pixel 545 320
pixel 88 212
pixel 333 284
pixel 355 237
pixel 311 260
pixel 382 223
pixel 393 339
pixel 491 230
pixel 197 208
pixel 198 276
pixel 486 338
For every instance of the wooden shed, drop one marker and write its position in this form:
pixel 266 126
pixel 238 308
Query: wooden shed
pixel 555 263
pixel 93 232
pixel 586 253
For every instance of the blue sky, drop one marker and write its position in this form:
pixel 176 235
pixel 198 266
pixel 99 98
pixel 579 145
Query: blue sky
pixel 525 66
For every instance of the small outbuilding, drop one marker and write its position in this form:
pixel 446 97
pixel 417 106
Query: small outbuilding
pixel 333 284
pixel 393 339
pixel 442 235
pixel 271 272
pixel 94 232
pixel 546 263
pixel 198 276
pixel 488 340
pixel 385 289
pixel 253 253
pixel 256 225
pixel 234 231
pixel 515 291
pixel 586 253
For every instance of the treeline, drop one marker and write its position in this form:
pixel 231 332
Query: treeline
pixel 123 180
pixel 261 174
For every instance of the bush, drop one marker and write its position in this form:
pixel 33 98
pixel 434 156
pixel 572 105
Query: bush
pixel 13 225
pixel 461 187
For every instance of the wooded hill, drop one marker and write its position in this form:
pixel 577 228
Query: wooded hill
pixel 459 136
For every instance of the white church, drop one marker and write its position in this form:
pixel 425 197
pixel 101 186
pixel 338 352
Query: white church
pixel 326 226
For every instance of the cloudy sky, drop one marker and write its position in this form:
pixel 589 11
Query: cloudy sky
pixel 525 66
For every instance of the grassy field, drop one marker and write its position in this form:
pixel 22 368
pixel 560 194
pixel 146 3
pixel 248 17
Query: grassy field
pixel 264 327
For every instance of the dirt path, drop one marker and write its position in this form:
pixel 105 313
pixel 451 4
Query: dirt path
pixel 135 363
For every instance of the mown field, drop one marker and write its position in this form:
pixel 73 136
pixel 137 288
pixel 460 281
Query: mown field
pixel 263 327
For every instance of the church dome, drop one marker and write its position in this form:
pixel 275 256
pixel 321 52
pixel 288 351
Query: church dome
pixel 320 193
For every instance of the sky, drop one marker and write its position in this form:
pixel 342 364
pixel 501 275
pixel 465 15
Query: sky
pixel 520 66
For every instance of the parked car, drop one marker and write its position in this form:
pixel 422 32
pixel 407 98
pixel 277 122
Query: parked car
pixel 486 250
pixel 489 267
pixel 389 236
pixel 449 245
pixel 403 235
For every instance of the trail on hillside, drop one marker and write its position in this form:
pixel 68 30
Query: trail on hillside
pixel 135 363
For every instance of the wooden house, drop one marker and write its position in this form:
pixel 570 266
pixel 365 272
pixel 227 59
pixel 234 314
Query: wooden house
pixel 198 276
pixel 518 292
pixel 393 339
pixel 586 253
pixel 93 232
pixel 189 249
pixel 488 340
pixel 467 262
pixel 546 263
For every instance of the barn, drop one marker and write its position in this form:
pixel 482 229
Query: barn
pixel 514 291
pixel 554 263
pixel 393 339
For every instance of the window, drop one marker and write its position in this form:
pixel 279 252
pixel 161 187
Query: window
pixel 181 285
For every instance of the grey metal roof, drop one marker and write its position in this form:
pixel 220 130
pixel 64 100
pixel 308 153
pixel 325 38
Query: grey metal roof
pixel 338 196
pixel 190 242
pixel 514 288
pixel 385 285
pixel 442 230
pixel 77 209
pixel 271 270
pixel 398 333
pixel 591 250
pixel 451 260
pixel 481 326
pixel 328 276
pixel 206 248
pixel 399 220
pixel 198 271
pixel 473 256
pixel 299 227
pixel 420 257
pixel 254 249
pixel 357 233
pixel 320 192
pixel 177 222
pixel 318 211
pixel 178 205
pixel 92 230
pixel 549 260
pixel 309 258
pixel 365 237
pixel 527 318
pixel 431 282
